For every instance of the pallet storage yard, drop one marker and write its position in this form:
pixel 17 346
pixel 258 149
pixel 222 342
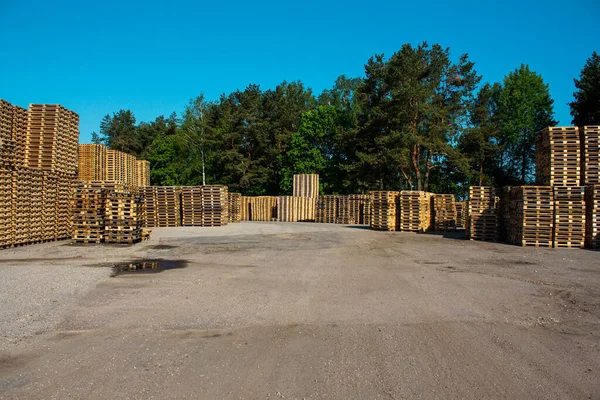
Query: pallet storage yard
pixel 38 160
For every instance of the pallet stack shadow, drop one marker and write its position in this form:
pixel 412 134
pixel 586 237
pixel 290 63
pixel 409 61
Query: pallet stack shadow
pixel 215 206
pixel 234 201
pixel 383 216
pixel 482 218
pixel 414 211
pixel 38 160
pixel 258 208
pixel 461 215
pixel 592 220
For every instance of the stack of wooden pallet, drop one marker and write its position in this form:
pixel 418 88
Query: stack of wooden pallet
pixel 569 216
pixel 52 138
pixel 326 212
pixel 64 195
pixel 444 212
pixel 344 211
pixel 167 201
pixel 234 201
pixel 149 193
pixel 532 218
pixel 92 160
pixel 360 208
pixel 558 161
pixel 383 217
pixel 482 218
pixel 461 214
pixel 414 211
pixel 258 208
pixel 6 208
pixel 19 134
pixel 215 206
pixel 8 146
pixel 124 217
pixel 590 140
pixel 115 166
pixel 191 205
pixel 89 206
pixel 306 185
pixel 592 217
pixel 295 209
pixel 142 173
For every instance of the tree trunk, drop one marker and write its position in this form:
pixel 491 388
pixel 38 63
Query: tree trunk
pixel 408 178
pixel 481 172
pixel 427 169
pixel 416 164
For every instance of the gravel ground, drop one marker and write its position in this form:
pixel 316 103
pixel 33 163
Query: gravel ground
pixel 272 310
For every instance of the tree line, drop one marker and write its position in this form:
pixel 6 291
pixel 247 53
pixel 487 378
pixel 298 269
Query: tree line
pixel 417 120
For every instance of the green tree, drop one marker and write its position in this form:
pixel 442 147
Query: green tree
pixel 119 132
pixel 163 157
pixel 585 110
pixel 525 107
pixel 478 144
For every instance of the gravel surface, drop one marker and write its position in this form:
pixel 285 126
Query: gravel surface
pixel 275 310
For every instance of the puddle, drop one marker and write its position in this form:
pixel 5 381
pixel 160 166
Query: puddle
pixel 147 266
pixel 162 247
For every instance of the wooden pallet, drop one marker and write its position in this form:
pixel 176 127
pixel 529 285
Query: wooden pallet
pixel 383 215
pixel 296 209
pixel 569 217
pixel 532 218
pixel 234 203
pixel 258 208
pixel 590 163
pixel 306 185
pixel 592 216
pixel 482 219
pixel 92 162
pixel 558 156
pixel 444 212
pixel 326 211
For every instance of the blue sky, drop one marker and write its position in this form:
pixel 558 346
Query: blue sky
pixel 153 56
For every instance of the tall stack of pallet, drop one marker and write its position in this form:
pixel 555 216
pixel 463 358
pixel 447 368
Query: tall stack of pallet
pixel 558 156
pixel 295 209
pixel 215 206
pixel 168 206
pixel 590 165
pixel 504 211
pixel 124 217
pixel 326 211
pixel 19 134
pixel 383 217
pixel 51 138
pixel 142 173
pixel 6 207
pixel 191 205
pixel 569 216
pixel 92 160
pixel 89 206
pixel 149 193
pixel 131 175
pixel 234 201
pixel 482 218
pixel 8 146
pixel 444 212
pixel 115 166
pixel 414 211
pixel 306 185
pixel 344 212
pixel 532 218
pixel 592 217
pixel 258 208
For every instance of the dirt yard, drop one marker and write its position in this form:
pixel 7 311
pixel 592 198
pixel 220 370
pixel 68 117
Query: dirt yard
pixel 300 311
